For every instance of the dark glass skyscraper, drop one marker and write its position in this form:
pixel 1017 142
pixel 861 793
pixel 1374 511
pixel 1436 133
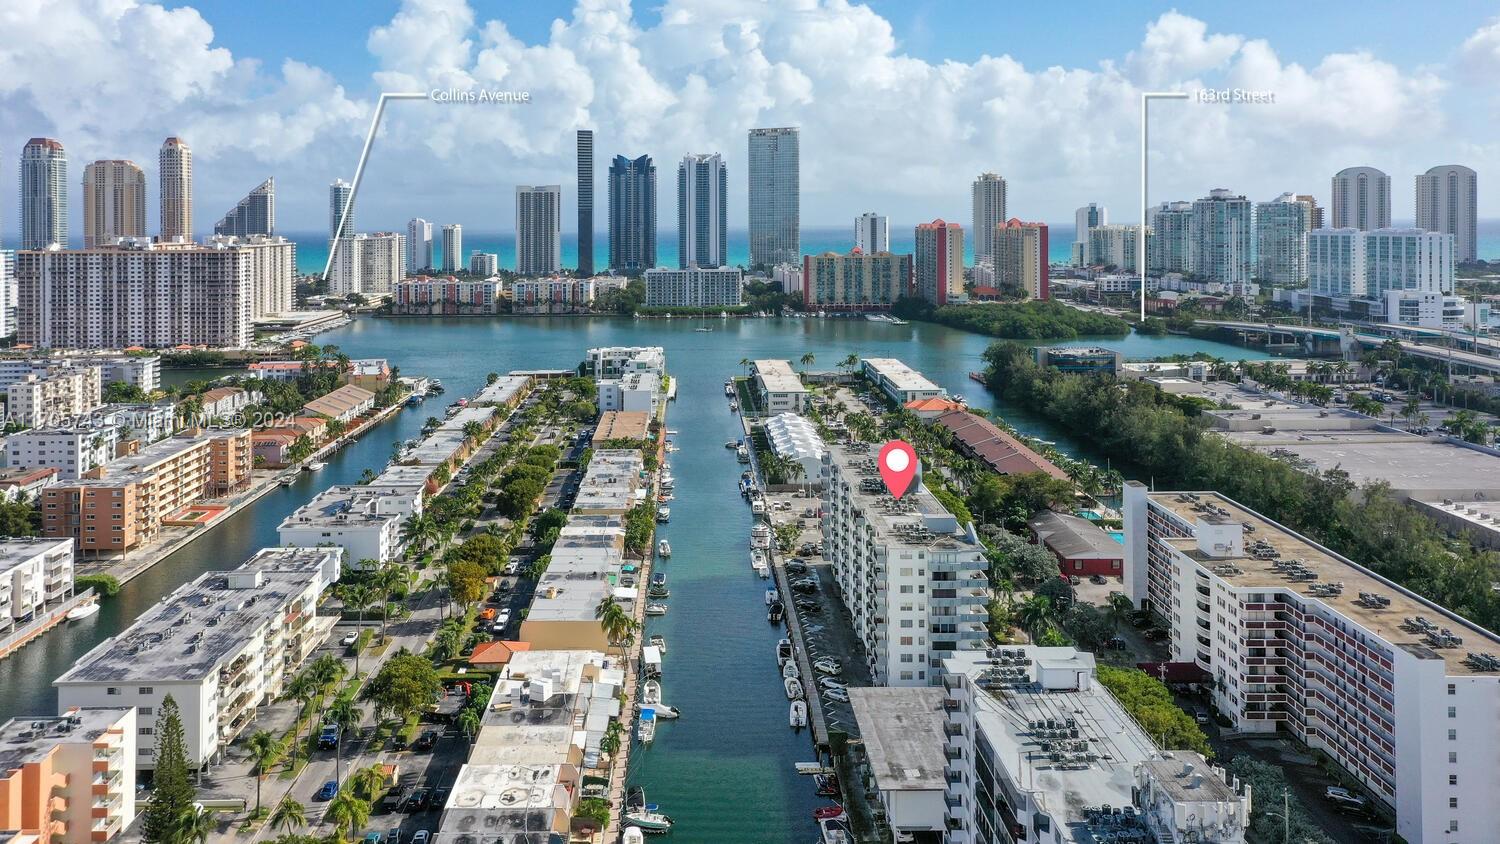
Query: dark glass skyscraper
pixel 585 202
pixel 632 214
pixel 255 214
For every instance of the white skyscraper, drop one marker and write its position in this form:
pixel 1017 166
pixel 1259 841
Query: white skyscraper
pixel 702 212
pixel 418 245
pixel 1281 228
pixel 1361 199
pixel 872 233
pixel 338 196
pixel 1169 242
pixel 1367 265
pixel 1447 201
pixel 538 229
pixel 1086 218
pixel 1221 229
pixel 453 248
pixel 44 194
pixel 775 197
pixel 368 264
pixel 989 211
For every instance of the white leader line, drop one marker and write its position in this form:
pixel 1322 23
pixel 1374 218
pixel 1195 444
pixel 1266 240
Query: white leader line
pixel 359 170
pixel 1140 241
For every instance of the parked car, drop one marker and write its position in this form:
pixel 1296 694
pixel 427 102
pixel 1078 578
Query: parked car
pixel 809 606
pixel 439 797
pixel 426 740
pixel 392 802
pixel 1344 798
pixel 832 683
pixel 1073 580
pixel 417 802
pixel 349 638
pixel 796 566
pixel 1201 716
pixel 372 838
pixel 1115 643
pixel 394 836
pixel 503 618
pixel 1098 579
pixel 420 836
pixel 805 585
pixel 328 790
pixel 398 741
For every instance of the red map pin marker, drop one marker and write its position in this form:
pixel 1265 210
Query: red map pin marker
pixel 898 465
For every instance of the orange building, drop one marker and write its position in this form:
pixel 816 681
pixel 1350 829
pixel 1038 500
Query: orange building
pixel 115 507
pixel 68 779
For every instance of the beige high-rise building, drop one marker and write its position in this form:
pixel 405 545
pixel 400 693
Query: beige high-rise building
pixel 1312 204
pixel 175 167
pixel 989 212
pixel 114 202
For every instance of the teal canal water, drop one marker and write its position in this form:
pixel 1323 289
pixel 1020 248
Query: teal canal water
pixel 724 770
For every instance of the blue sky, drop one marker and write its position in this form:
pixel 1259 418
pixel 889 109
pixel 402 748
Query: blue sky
pixel 901 104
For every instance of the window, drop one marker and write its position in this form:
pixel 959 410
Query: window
pixel 111 691
pixel 1453 735
pixel 1453 802
pixel 1453 779
pixel 1452 688
pixel 147 731
pixel 146 690
pixel 145 710
pixel 1452 757
pixel 1452 712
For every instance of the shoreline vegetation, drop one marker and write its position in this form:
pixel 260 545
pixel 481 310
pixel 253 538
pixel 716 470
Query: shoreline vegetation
pixel 1166 439
pixel 1029 320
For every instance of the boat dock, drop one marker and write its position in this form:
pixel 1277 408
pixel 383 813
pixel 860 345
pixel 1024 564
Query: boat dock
pixel 817 719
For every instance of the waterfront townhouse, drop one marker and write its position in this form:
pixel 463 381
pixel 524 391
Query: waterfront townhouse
pixel 552 295
pixel 68 779
pixel 58 396
pixel 898 381
pixel 793 438
pixel 225 402
pixel 613 361
pixel 507 392
pixel 220 645
pixel 779 387
pixel 365 521
pixel 373 374
pixel 36 579
pixel 1301 642
pixel 447 444
pixel 1027 745
pixel 913 579
pixel 629 377
pixel 73 451
pixel 116 507
pixel 587 566
pixel 621 425
pixel 447 295
pixel 983 440
pixel 278 370
pixel 613 483
pixel 344 404
pixel 540 733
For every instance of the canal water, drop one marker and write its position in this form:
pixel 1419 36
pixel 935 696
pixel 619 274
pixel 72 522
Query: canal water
pixel 724 770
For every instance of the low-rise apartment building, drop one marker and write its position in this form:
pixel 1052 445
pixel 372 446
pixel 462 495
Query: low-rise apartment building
pixel 220 645
pixel 914 580
pixel 446 296
pixel 23 484
pixel 694 287
pixel 629 377
pixel 225 402
pixel 586 568
pixel 858 281
pixel 73 451
pixel 59 396
pixel 898 381
pixel 36 575
pixel 779 387
pixel 1036 749
pixel 365 521
pixel 136 369
pixel 344 404
pixel 116 507
pixel 552 295
pixel 621 425
pixel 68 779
pixel 1398 691
pixel 146 423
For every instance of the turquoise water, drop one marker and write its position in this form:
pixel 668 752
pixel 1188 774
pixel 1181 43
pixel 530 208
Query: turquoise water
pixel 1118 536
pixel 724 771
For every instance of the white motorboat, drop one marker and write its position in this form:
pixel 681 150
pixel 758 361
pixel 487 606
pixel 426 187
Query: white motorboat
pixel 658 641
pixel 783 651
pixel 798 715
pixel 764 571
pixel 728 388
pixel 648 821
pixel 82 611
pixel 650 693
pixel 757 507
pixel 734 405
pixel 760 535
pixel 793 688
pixel 664 548
pixel 731 445
pixel 742 454
pixel 313 466
pixel 664 515
pixel 757 559
pixel 633 835
pixel 656 609
pixel 666 713
pixel 789 669
pixel 646 730
pixel 771 595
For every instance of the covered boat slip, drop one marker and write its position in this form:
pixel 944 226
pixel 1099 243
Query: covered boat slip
pixel 651 660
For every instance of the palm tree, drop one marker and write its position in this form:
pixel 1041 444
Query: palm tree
pixel 387 578
pixel 613 736
pixel 265 750
pixel 469 722
pixel 303 688
pixel 850 362
pixel 1035 615
pixel 1120 608
pixel 419 531
pixel 288 816
pixel 195 826
pixel 357 597
pixel 346 714
pixel 473 431
pixel 367 782
pixel 807 359
pixel 348 812
pixel 618 626
pixel 745 362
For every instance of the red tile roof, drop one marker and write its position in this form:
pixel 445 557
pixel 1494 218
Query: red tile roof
pixel 1001 451
pixel 497 653
pixel 931 404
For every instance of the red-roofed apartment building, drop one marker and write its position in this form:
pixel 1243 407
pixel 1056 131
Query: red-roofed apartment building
pixel 981 439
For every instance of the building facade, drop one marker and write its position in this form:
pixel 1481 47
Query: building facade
pixel 1281 228
pixel 694 288
pixel 859 281
pixel 872 233
pixel 632 215
pixel 1361 199
pixel 44 194
pixel 74 451
pixel 339 195
pixel 1169 240
pixel 1447 202
pixel 585 144
pixel 987 195
pixel 253 215
pixel 775 196
pixel 538 229
pixel 427 296
pixel 779 387
pixel 70 778
pixel 36 575
pixel 1084 219
pixel 180 293
pixel 1115 245
pixel 58 396
pixel 1221 229
pixel 368 264
pixel 1352 263
pixel 1302 642
pixel 1019 252
pixel 938 267
pixel 483 264
pixel 174 163
pixel 418 246
pixel 702 212
pixel 114 202
pixel 453 248
pixel 561 295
